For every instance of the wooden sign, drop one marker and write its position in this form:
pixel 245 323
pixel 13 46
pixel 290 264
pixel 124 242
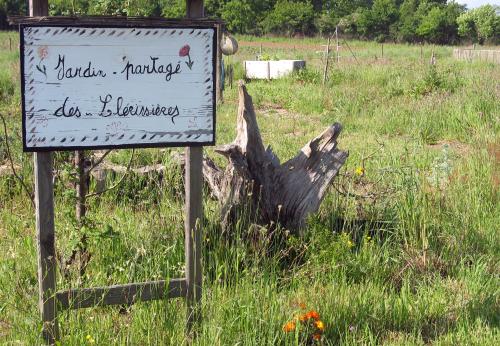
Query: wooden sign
pixel 91 87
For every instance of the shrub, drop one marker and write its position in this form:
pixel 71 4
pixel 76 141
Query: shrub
pixel 439 24
pixel 436 80
pixel 239 16
pixel 289 18
pixel 480 24
pixel 306 75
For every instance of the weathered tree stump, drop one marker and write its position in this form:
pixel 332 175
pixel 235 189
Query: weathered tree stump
pixel 255 181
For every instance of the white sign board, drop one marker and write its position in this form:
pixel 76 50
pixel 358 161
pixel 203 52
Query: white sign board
pixel 111 87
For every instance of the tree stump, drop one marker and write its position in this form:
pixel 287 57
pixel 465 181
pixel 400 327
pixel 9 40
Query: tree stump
pixel 255 181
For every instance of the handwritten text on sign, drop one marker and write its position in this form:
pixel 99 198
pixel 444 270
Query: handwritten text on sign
pixel 116 87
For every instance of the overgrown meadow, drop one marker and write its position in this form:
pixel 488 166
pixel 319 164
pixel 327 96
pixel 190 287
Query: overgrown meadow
pixel 405 249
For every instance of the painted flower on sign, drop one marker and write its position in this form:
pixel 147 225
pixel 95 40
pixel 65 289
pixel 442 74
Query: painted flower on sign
pixel 183 52
pixel 115 128
pixel 42 52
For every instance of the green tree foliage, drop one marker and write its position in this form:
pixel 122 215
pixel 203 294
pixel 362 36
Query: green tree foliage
pixel 68 7
pixel 239 16
pixel 341 8
pixel 481 24
pixel 325 23
pixel 173 8
pixel 377 21
pixel 10 7
pixel 439 24
pixel 290 17
pixel 437 21
pixel 145 8
pixel 408 21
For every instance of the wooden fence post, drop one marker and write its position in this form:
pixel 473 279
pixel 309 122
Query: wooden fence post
pixel 230 75
pixel 44 201
pixel 327 57
pixel 337 40
pixel 194 212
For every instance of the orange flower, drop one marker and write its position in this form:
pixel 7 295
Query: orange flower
pixel 303 318
pixel 289 326
pixel 316 336
pixel 320 325
pixel 313 314
pixel 302 306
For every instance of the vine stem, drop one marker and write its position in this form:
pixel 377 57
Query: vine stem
pixel 11 161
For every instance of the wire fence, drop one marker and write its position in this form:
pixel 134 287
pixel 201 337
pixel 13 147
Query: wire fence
pixel 489 55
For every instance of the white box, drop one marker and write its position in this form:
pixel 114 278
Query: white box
pixel 255 69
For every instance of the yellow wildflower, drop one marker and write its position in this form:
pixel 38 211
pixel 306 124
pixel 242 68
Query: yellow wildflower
pixel 360 171
pixel 320 325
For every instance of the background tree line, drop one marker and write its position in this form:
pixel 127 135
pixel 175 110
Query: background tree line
pixel 436 21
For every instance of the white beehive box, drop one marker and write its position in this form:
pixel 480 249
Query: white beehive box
pixel 255 69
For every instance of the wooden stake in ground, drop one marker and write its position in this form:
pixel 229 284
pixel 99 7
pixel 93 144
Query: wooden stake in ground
pixel 255 181
pixel 194 212
pixel 337 39
pixel 44 201
pixel 327 57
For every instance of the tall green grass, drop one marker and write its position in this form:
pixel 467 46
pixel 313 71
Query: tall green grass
pixel 406 254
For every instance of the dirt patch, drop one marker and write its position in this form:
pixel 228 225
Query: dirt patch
pixel 456 146
pixel 419 265
pixel 294 45
pixel 284 45
pixel 494 152
pixel 7 169
pixel 4 328
pixel 274 111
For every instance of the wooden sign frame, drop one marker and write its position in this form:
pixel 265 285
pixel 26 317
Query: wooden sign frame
pixel 41 117
pixel 189 287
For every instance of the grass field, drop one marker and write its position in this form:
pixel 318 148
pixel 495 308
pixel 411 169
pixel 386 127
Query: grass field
pixel 405 249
